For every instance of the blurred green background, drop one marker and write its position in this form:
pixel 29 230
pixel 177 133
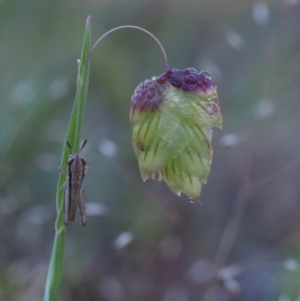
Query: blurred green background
pixel 142 242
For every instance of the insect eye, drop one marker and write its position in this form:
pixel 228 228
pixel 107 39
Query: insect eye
pixel 70 161
pixel 83 161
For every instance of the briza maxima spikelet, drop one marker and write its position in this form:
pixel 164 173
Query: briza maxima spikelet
pixel 172 116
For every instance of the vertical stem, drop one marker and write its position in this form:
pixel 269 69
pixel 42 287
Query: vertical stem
pixel 73 136
pixel 231 228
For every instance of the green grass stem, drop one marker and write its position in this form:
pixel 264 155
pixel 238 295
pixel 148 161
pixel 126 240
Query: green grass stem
pixel 73 136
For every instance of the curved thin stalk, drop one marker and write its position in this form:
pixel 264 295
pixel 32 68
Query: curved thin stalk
pixel 138 28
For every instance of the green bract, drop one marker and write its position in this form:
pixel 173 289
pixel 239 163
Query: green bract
pixel 172 117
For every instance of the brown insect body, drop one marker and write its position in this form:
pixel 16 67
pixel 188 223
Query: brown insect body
pixel 73 188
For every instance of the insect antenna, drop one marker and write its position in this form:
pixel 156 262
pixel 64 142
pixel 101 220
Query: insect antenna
pixel 83 145
pixel 81 148
pixel 70 147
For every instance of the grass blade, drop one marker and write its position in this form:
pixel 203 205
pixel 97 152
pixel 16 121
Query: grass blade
pixel 73 136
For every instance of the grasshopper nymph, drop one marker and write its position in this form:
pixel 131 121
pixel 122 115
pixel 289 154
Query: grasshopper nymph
pixel 73 188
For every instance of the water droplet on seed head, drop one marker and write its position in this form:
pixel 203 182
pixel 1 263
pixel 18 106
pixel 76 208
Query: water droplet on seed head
pixel 206 74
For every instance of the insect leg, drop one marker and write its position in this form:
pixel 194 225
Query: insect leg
pixel 63 187
pixel 66 206
pixel 82 209
pixel 62 170
pixel 86 170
